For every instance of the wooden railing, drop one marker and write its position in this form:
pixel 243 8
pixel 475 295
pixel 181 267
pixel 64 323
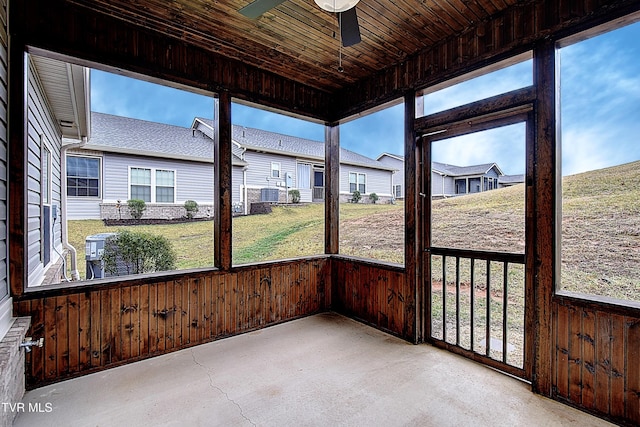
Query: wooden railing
pixel 476 300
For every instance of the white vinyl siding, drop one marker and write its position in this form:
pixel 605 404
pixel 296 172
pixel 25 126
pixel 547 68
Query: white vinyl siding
pixel 236 178
pixel 377 181
pixel 398 175
pixel 193 180
pixel 41 129
pixel 259 170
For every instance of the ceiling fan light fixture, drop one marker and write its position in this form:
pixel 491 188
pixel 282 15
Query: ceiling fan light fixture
pixel 336 5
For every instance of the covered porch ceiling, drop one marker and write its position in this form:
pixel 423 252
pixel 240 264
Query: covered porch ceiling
pixel 290 58
pixel 300 41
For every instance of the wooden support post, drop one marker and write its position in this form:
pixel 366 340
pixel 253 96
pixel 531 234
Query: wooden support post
pixel 222 183
pixel 17 156
pixel 544 188
pixel 332 189
pixel 415 319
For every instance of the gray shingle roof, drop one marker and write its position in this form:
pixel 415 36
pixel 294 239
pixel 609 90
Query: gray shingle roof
pixel 126 135
pixel 262 140
pixel 453 170
pixel 511 179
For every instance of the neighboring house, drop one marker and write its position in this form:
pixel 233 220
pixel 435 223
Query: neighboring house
pixel 166 165
pixel 397 162
pixel 509 180
pixel 58 94
pixel 450 180
pixel 126 158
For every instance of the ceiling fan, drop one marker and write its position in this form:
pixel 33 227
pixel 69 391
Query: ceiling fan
pixel 347 18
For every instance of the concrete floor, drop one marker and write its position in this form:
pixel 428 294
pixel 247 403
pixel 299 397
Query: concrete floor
pixel 320 370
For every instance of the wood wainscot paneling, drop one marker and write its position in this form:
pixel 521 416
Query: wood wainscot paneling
pixel 596 358
pixel 375 293
pixel 97 326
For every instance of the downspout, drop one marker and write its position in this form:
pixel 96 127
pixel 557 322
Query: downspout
pixel 75 275
pixel 244 182
pixel 244 189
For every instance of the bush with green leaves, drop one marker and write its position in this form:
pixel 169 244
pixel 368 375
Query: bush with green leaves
pixel 356 196
pixel 295 196
pixel 131 252
pixel 136 208
pixel 191 206
pixel 374 198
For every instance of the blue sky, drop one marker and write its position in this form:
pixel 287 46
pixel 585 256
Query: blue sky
pixel 600 104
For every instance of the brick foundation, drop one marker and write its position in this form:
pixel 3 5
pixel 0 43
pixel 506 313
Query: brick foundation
pixel 153 211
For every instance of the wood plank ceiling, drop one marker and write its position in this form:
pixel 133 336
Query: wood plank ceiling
pixel 300 41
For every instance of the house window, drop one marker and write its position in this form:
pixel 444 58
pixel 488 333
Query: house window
pixel 141 184
pixel 275 170
pixel 153 185
pixel 46 175
pixel 165 180
pixel 357 181
pixel 304 175
pixel 397 191
pixel 83 176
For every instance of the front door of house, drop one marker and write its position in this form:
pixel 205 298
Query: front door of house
pixel 318 185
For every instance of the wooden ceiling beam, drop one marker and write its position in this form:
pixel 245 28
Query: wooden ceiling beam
pixel 90 38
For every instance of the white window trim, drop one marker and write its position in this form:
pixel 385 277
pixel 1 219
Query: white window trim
pixel 153 182
pixel 100 178
pixel 48 187
pixel 358 174
pixel 397 193
pixel 278 168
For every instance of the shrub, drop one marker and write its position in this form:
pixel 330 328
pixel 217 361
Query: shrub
pixel 137 253
pixel 355 196
pixel 295 196
pixel 191 206
pixel 136 208
pixel 374 198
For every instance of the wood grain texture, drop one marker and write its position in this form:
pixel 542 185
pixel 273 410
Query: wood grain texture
pixel 87 329
pixel 603 366
pixel 375 294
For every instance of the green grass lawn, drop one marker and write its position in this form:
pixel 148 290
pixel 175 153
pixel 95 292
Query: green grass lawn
pixel 287 232
pixel 600 231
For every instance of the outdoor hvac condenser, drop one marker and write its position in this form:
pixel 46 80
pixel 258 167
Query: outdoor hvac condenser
pixel 94 248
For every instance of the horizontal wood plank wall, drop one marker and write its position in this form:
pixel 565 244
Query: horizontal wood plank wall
pixel 376 294
pixel 596 359
pixel 90 329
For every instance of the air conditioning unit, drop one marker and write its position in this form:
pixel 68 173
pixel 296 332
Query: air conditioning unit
pixel 94 249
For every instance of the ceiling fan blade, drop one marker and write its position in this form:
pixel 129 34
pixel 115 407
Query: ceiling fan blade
pixel 258 7
pixel 349 27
